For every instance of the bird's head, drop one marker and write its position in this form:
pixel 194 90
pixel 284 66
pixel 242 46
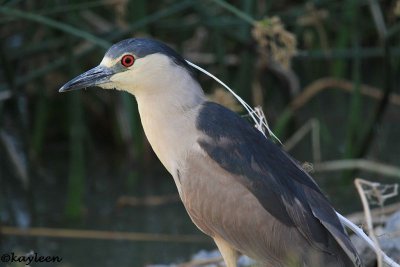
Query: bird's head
pixel 137 66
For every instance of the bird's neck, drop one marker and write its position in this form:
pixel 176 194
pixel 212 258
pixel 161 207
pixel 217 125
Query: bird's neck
pixel 168 116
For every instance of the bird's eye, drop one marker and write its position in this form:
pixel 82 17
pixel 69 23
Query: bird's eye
pixel 127 60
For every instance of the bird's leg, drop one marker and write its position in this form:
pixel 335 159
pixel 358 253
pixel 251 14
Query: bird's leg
pixel 229 254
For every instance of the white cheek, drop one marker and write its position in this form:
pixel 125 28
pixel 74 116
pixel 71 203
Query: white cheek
pixel 107 86
pixel 123 81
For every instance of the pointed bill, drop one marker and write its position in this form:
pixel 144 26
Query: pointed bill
pixel 94 77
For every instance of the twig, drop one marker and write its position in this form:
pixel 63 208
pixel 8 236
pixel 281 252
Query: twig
pixel 358 217
pixel 255 115
pixel 313 126
pixel 368 219
pixel 94 234
pixel 359 232
pixel 326 83
pixel 363 164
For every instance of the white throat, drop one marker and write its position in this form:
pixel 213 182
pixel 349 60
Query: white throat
pixel 169 100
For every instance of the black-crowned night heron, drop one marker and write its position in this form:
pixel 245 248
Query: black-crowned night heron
pixel 237 186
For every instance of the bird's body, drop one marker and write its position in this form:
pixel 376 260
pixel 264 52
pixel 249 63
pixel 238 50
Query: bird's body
pixel 237 186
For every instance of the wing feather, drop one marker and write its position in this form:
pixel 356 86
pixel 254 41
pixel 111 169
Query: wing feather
pixel 278 182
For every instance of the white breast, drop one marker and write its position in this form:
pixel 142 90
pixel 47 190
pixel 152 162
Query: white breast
pixel 169 99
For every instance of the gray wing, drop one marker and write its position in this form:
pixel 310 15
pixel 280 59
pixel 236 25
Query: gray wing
pixel 283 189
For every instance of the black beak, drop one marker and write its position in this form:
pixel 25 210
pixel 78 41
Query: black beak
pixel 93 77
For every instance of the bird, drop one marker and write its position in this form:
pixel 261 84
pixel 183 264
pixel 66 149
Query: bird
pixel 238 187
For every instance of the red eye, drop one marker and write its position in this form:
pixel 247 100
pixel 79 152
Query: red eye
pixel 127 60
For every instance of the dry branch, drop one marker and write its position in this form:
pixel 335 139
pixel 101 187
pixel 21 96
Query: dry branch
pixel 310 126
pixel 359 232
pixel 368 218
pixel 362 164
pixel 96 234
pixel 325 83
pixel 358 217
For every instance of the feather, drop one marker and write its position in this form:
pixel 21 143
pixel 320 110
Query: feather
pixel 280 185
